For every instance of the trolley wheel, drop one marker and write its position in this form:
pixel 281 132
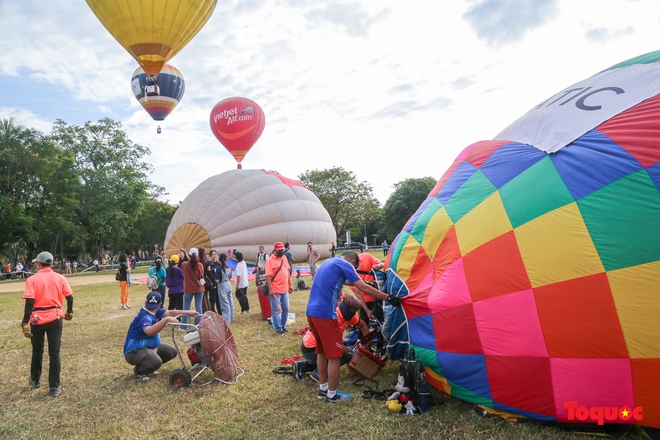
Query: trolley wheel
pixel 180 378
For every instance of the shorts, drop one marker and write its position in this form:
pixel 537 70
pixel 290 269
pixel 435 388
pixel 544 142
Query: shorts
pixel 329 335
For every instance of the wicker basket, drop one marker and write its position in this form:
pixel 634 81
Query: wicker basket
pixel 364 363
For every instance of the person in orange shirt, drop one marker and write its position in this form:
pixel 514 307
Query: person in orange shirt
pixel 43 318
pixel 346 315
pixel 279 286
pixel 369 309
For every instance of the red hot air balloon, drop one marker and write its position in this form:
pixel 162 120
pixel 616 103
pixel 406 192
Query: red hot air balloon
pixel 237 123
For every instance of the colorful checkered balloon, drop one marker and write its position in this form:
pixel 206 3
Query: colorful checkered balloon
pixel 533 267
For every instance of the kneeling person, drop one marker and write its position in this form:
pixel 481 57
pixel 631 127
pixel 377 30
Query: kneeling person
pixel 347 314
pixel 143 348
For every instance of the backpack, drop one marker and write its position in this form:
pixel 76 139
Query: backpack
pixel 118 276
pixel 152 282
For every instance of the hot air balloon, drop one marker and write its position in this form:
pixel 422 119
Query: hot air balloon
pixel 171 85
pixel 530 275
pixel 237 123
pixel 245 209
pixel 152 31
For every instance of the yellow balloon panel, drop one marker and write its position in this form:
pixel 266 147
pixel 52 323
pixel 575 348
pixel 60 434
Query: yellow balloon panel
pixel 635 293
pixel 187 236
pixel 153 31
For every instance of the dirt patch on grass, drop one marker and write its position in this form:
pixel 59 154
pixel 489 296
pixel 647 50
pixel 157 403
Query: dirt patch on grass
pixel 19 285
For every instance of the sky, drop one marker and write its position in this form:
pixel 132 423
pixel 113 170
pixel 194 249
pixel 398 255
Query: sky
pixel 387 89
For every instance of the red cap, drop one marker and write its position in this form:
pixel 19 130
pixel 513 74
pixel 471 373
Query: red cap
pixel 279 246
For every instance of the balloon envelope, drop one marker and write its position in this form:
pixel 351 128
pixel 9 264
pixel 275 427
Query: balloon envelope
pixel 152 31
pixel 171 85
pixel 245 209
pixel 533 266
pixel 237 123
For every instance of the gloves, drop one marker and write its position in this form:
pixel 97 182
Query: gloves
pixel 410 409
pixel 68 316
pixel 393 300
pixel 26 330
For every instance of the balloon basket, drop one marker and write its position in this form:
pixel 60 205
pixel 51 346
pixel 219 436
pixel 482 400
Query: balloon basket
pixel 364 363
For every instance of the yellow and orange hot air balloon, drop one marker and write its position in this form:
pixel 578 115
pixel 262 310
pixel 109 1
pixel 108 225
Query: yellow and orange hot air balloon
pixel 153 31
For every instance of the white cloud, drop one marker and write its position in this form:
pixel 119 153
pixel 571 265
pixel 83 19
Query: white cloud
pixel 26 118
pixel 352 18
pixel 603 35
pixel 501 22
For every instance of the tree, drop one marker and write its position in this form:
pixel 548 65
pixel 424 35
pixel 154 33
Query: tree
pixel 349 202
pixel 152 227
pixel 113 180
pixel 37 187
pixel 403 203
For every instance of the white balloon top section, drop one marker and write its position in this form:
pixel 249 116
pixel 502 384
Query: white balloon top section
pixel 244 209
pixel 574 111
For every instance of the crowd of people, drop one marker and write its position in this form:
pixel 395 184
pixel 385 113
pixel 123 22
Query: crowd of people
pixel 194 283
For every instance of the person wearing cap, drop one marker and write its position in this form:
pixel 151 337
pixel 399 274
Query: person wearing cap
pixel 193 283
pixel 43 318
pixel 322 318
pixel 279 287
pixel 158 271
pixel 174 282
pixel 142 347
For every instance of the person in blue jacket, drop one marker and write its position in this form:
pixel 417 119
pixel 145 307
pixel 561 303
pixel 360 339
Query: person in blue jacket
pixel 142 347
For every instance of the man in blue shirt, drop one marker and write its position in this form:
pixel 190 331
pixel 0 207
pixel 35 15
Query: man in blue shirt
pixel 322 318
pixel 143 347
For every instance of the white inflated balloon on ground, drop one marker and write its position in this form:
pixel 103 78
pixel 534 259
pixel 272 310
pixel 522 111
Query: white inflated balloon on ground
pixel 244 209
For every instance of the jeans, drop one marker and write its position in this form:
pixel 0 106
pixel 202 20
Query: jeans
pixel 226 301
pixel 148 360
pixel 52 330
pixel 187 299
pixel 281 300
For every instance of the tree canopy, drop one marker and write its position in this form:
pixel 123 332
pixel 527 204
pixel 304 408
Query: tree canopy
pixel 113 179
pixel 349 202
pixel 402 204
pixel 79 186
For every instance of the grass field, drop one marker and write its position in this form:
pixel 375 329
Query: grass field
pixel 101 400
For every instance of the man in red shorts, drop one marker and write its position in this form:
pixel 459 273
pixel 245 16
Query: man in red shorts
pixel 322 318
pixel 43 318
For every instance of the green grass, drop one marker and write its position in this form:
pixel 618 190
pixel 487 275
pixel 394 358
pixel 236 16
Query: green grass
pixel 101 400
